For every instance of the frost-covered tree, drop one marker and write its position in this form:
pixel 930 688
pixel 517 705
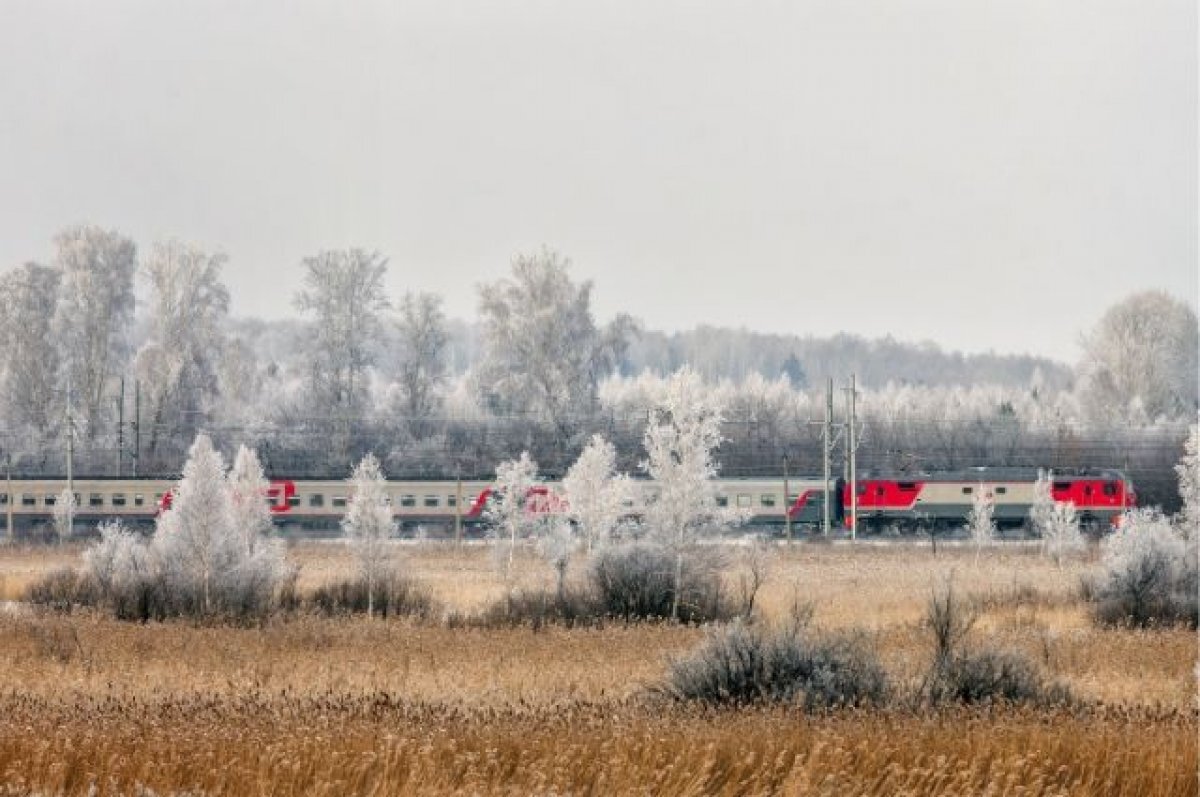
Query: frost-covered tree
pixel 980 521
pixel 597 496
pixel 1041 511
pixel 1188 470
pixel 344 295
pixel 1140 361
pixel 1061 536
pixel 369 523
pixel 543 353
pixel 248 490
pixel 178 365
pixel 683 432
pixel 119 559
pixel 556 544
pixel 196 539
pixel 29 358
pixel 421 362
pixel 508 513
pixel 95 310
pixel 64 516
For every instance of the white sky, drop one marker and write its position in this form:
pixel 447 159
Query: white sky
pixel 982 174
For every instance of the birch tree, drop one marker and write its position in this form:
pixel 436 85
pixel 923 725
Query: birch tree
pixel 544 354
pixel 979 521
pixel 508 513
pixel 95 310
pixel 343 293
pixel 369 523
pixel 28 296
pixel 1061 536
pixel 597 497
pixel 178 366
pixel 683 432
pixel 422 342
pixel 248 492
pixel 1188 470
pixel 196 538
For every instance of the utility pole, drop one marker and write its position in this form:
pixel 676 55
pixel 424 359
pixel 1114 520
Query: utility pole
pixel 137 425
pixel 70 463
pixel 851 455
pixel 826 450
pixel 121 430
pixel 787 501
pixel 458 497
pixel 8 500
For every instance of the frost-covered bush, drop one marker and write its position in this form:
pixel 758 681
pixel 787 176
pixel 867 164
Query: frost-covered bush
pixel 209 554
pixel 741 664
pixel 980 522
pixel 368 524
pixel 1148 574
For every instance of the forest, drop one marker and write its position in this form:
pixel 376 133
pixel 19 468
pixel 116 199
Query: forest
pixel 128 351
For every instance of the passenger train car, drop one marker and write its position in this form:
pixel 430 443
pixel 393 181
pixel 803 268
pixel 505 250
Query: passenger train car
pixel 937 500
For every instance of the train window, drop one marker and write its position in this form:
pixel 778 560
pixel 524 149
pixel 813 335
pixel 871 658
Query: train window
pixel 879 490
pixel 139 499
pixel 118 499
pixel 1110 488
pixel 28 500
pixel 907 486
pixel 158 498
pixel 293 500
pixel 452 501
pixel 792 499
pixel 269 501
pixel 339 502
pixel 431 500
pixel 1001 490
pixel 50 499
pixel 862 489
pixel 722 501
pixel 968 490
pixel 767 500
pixel 316 499
pixel 1062 487
pixel 3 499
pixel 408 500
pixel 743 500
pixel 95 499
pixel 1087 489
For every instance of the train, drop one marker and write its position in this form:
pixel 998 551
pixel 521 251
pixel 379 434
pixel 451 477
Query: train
pixel 902 502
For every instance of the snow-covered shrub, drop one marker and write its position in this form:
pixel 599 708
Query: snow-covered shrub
pixel 741 664
pixel 1148 574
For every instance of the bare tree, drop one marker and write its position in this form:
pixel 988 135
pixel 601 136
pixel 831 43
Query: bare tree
pixel 94 312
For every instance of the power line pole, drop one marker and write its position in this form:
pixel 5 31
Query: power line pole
pixel 70 464
pixel 8 499
pixel 787 501
pixel 851 455
pixel 826 450
pixel 121 430
pixel 137 425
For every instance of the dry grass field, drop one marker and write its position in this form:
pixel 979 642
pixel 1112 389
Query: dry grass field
pixel 310 705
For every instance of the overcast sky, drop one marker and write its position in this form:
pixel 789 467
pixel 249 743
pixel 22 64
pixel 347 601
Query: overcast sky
pixel 988 175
